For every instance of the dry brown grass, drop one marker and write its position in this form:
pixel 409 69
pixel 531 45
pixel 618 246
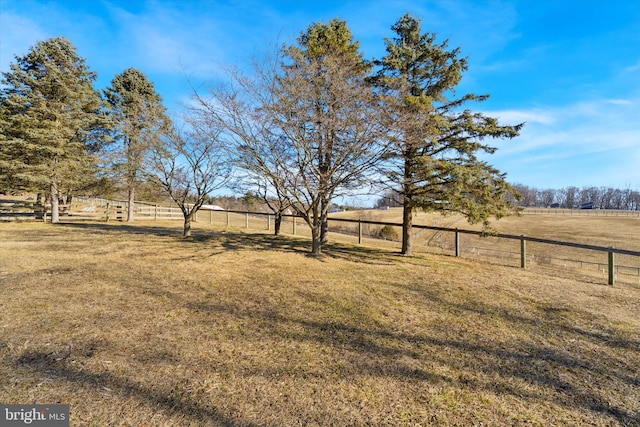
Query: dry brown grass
pixel 132 325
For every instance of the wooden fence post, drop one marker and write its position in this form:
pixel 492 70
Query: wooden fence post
pixel 523 252
pixel 359 232
pixel 294 225
pixel 611 267
pixel 155 213
pixel 246 219
pixel 268 222
pixel 107 220
pixel 211 217
pixel 457 242
pixel 227 218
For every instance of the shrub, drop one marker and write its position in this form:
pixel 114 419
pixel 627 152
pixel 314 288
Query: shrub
pixel 388 232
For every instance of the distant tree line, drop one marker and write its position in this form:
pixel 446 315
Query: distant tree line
pixel 575 197
pixel 566 198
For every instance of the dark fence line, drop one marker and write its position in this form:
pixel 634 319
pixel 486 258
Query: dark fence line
pixel 500 235
pixel 610 251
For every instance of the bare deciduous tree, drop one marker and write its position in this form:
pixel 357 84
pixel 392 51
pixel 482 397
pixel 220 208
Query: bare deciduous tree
pixel 189 166
pixel 304 122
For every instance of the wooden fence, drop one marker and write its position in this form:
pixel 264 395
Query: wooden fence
pixel 601 259
pixel 607 266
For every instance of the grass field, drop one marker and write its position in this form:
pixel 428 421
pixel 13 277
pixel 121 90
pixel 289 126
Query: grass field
pixel 132 325
pixel 616 231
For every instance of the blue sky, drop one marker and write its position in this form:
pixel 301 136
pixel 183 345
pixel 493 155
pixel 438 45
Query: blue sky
pixel 569 69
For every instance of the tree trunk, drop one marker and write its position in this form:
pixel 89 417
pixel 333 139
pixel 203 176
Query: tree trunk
pixel 55 212
pixel 324 231
pixel 277 223
pixel 44 210
pixel 187 226
pixel 408 189
pixel 316 241
pixel 407 223
pixel 130 203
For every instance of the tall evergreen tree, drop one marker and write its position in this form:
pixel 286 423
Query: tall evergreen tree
pixel 139 118
pixel 50 121
pixel 434 165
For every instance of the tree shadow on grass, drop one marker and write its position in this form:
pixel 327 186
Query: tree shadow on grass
pixel 368 348
pixel 57 366
pixel 237 240
pixel 123 228
pixel 553 315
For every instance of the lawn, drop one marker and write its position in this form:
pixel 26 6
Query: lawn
pixel 132 325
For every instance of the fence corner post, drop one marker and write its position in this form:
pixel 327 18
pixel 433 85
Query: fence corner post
pixel 523 252
pixel 611 268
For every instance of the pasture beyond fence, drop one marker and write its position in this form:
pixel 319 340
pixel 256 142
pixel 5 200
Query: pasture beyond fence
pixel 477 244
pixel 608 263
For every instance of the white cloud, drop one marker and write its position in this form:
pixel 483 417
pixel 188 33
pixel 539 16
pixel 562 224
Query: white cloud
pixel 191 38
pixel 531 116
pixel 17 35
pixel 585 143
pixel 619 101
pixel 632 68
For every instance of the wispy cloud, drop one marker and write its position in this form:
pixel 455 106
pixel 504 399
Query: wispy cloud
pixel 598 140
pixel 536 115
pixel 167 40
pixel 632 68
pixel 12 37
pixel 618 101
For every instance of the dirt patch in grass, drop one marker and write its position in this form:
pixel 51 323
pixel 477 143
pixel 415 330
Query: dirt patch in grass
pixel 134 325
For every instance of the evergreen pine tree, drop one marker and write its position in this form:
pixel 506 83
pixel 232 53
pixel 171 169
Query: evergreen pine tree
pixel 139 117
pixel 51 121
pixel 434 162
